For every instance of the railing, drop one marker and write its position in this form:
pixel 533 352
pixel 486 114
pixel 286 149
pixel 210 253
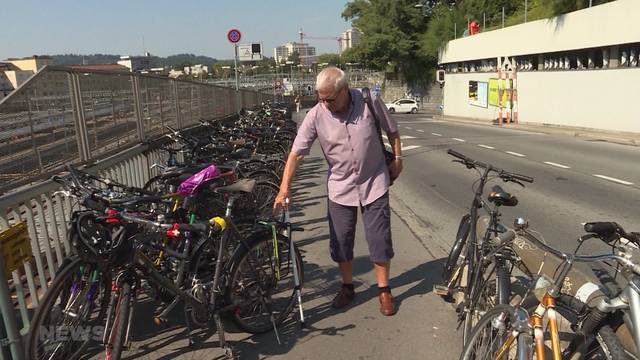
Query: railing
pixel 99 119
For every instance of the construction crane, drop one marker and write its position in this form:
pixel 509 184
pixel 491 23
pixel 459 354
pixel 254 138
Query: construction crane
pixel 307 36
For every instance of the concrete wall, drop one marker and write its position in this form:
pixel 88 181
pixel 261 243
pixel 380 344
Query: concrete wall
pixel 599 99
pixel 603 25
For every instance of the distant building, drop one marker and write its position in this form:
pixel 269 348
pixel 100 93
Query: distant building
pixel 136 63
pixel 196 70
pixel 349 39
pixel 100 67
pixel 307 53
pixel 32 63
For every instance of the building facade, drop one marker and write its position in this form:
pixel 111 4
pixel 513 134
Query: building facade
pixel 349 39
pixel 136 63
pixel 580 69
pixel 283 52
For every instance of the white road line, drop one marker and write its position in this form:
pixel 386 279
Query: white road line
pixel 486 146
pixel 515 153
pixel 436 134
pixel 410 147
pixel 613 179
pixel 557 165
pixel 405 137
pixel 408 128
pixel 456 139
pixel 420 130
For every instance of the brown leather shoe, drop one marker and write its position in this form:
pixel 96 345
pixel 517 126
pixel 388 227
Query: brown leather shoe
pixel 386 304
pixel 344 297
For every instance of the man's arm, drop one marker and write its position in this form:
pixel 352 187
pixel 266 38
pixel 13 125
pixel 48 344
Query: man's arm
pixel 396 145
pixel 289 171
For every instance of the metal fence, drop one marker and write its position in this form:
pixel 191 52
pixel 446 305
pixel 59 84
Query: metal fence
pixel 97 119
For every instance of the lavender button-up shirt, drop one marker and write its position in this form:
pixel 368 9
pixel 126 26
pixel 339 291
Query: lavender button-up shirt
pixel 357 171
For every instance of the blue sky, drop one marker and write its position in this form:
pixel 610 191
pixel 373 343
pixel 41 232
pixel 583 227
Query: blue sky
pixel 168 27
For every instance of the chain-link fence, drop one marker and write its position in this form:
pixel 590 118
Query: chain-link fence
pixel 63 116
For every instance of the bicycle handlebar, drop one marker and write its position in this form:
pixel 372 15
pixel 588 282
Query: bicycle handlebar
pixel 505 175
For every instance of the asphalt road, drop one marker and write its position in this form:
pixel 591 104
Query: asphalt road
pixel 569 186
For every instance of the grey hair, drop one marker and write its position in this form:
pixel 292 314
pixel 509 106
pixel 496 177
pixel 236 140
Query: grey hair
pixel 332 74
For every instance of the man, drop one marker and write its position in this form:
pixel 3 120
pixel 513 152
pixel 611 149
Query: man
pixel 358 177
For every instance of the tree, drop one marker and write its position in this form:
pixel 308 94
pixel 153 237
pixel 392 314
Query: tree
pixel 329 58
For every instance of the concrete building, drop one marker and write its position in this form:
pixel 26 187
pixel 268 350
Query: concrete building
pixel 306 52
pixel 136 63
pixel 32 63
pixel 349 39
pixel 580 69
pixel 197 70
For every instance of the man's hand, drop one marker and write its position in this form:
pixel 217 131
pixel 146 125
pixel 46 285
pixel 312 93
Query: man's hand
pixel 281 202
pixel 395 168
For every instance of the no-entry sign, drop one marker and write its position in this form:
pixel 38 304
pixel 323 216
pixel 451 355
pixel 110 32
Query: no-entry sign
pixel 234 35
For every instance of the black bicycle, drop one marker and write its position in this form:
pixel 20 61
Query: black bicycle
pixel 476 274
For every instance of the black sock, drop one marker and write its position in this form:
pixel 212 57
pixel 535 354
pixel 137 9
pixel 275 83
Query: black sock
pixel 348 286
pixel 384 289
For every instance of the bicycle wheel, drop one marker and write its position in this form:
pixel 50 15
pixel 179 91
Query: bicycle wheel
pixel 262 283
pixel 75 304
pixel 451 268
pixel 120 320
pixel 493 334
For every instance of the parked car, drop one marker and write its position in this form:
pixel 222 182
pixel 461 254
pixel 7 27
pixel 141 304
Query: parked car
pixel 403 106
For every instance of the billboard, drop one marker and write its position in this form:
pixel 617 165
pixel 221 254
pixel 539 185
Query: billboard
pixel 493 92
pixel 478 92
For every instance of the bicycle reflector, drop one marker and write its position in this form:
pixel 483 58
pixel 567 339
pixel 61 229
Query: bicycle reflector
pixel 174 231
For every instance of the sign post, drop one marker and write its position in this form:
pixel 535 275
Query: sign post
pixel 234 37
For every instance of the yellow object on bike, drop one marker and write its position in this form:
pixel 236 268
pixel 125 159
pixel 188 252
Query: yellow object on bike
pixel 218 223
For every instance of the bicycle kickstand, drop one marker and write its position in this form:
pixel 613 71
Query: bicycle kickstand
pixel 189 330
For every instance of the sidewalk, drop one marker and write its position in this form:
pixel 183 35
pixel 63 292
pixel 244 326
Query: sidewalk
pixel 425 326
pixel 617 137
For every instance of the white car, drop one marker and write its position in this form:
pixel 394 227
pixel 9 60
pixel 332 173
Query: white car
pixel 403 106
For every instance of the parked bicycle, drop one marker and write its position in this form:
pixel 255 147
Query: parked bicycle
pixel 478 267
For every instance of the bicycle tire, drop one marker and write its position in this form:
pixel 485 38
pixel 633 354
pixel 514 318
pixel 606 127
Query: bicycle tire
pixel 66 277
pixel 118 333
pixel 454 254
pixel 245 286
pixel 478 336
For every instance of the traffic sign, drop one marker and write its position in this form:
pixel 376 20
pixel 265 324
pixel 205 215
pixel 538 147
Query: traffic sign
pixel 234 35
pixel 250 52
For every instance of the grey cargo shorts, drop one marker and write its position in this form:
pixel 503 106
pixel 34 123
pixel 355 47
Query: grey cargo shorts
pixel 377 228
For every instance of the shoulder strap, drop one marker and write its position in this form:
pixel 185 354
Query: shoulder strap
pixel 366 95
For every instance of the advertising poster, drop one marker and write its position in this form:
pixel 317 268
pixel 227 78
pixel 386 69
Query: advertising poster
pixel 493 92
pixel 478 92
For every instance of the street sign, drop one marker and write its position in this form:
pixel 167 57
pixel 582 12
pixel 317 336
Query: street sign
pixel 234 36
pixel 250 52
pixel 15 246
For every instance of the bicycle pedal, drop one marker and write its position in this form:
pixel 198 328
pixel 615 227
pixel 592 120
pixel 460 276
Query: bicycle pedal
pixel 441 290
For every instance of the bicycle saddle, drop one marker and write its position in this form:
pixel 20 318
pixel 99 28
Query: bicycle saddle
pixel 240 154
pixel 240 186
pixel 502 198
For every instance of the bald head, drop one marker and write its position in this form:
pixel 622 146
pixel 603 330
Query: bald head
pixel 331 79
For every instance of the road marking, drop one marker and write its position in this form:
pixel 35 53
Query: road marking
pixel 557 165
pixel 613 179
pixel 457 139
pixel 402 137
pixel 436 134
pixel 515 153
pixel 486 146
pixel 408 128
pixel 420 130
pixel 410 147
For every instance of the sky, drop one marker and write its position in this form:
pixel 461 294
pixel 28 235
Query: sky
pixel 46 27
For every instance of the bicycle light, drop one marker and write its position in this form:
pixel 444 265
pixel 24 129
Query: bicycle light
pixel 520 223
pixel 544 284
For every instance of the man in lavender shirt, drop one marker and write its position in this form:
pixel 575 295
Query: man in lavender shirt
pixel 358 177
